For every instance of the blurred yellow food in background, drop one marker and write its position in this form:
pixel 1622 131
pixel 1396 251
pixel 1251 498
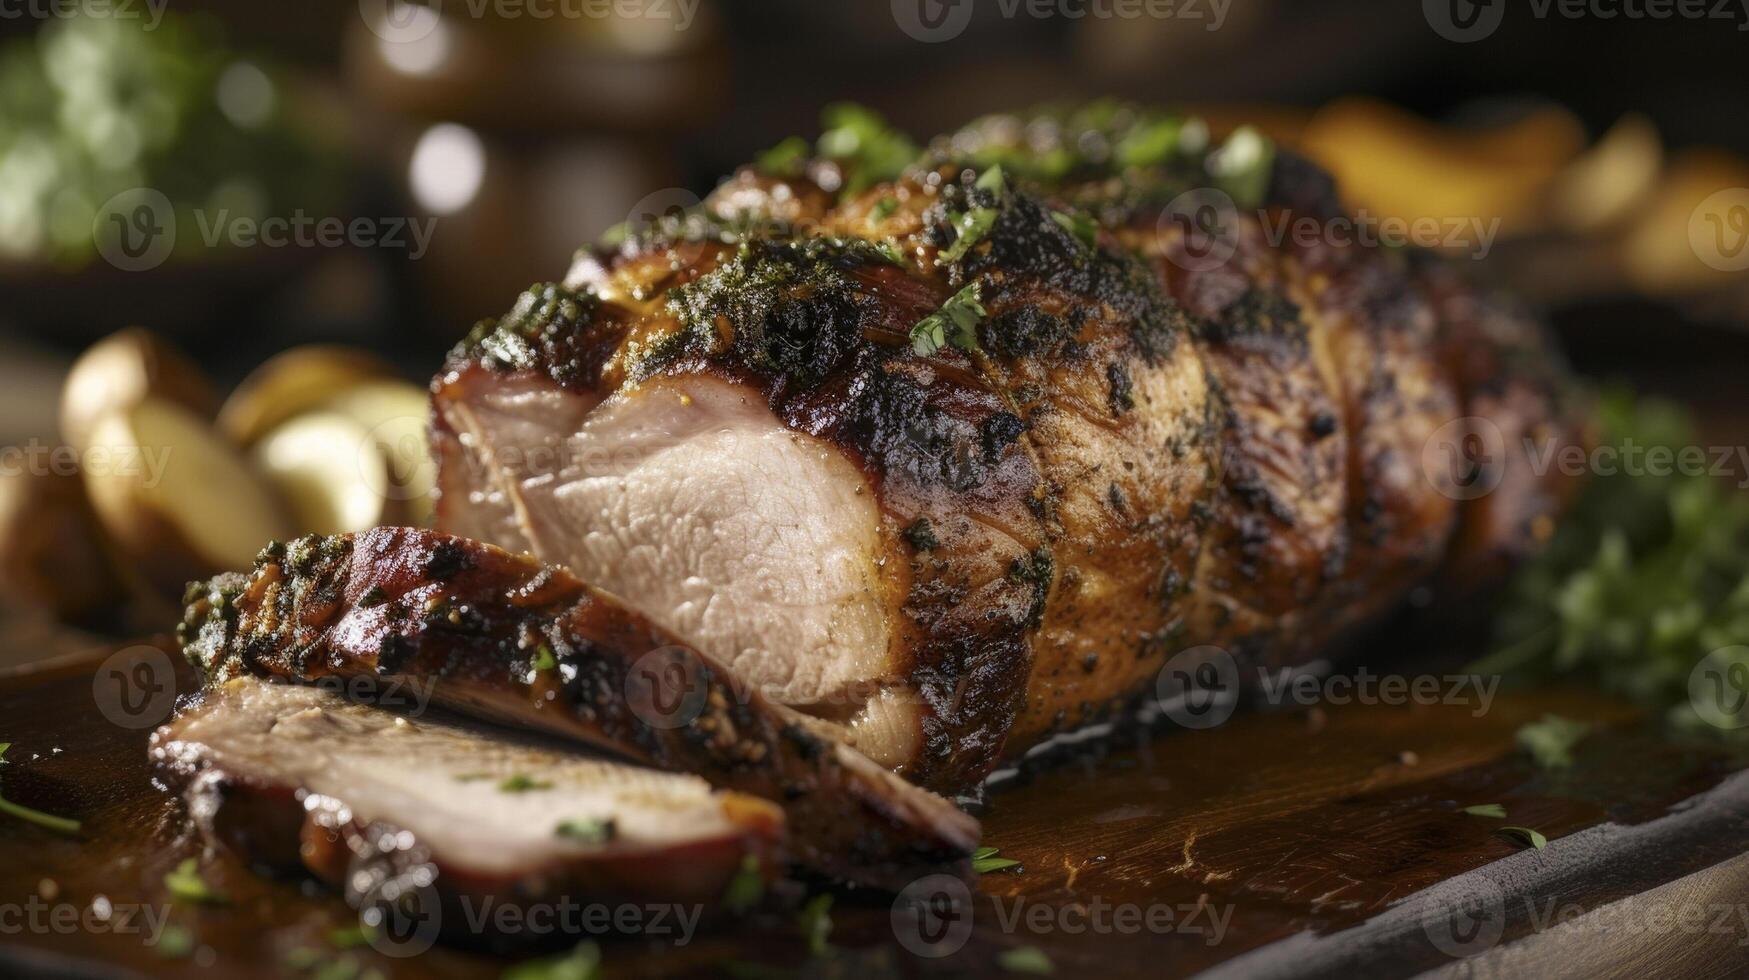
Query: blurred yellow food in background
pixel 1397 165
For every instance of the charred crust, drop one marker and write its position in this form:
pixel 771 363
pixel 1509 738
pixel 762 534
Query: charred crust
pixel 1025 331
pixel 446 559
pixel 550 328
pixel 1122 389
pixel 1257 316
pixel 921 535
pixel 791 310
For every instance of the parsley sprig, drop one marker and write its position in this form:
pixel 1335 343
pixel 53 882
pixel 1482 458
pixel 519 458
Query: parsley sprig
pixel 955 323
pixel 60 825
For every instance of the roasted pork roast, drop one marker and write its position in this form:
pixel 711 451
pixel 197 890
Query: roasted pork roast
pixel 961 459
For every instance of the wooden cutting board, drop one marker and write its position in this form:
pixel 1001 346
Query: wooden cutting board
pixel 1321 842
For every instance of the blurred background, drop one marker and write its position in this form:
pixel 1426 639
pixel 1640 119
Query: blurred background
pixel 242 179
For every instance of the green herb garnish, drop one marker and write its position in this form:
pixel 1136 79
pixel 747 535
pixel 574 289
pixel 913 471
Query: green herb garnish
pixel 1524 835
pixel 521 783
pixel 544 659
pixel 185 883
pixel 1645 576
pixel 588 830
pixel 1026 959
pixel 746 888
pixel 984 861
pixel 955 323
pixel 1494 810
pixel 174 942
pixel 785 159
pixel 1149 143
pixel 60 825
pixel 864 146
pixel 815 921
pixel 883 209
pixel 1243 165
pixel 582 963
pixel 1083 227
pixel 350 937
pixel 1550 741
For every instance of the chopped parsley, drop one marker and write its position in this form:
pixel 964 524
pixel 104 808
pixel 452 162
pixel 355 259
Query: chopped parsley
pixel 974 223
pixel 867 149
pixel 1524 835
pixel 588 830
pixel 1550 741
pixel 785 159
pixel 1149 143
pixel 544 659
pixel 883 209
pixel 582 963
pixel 185 883
pixel 815 921
pixel 1643 578
pixel 955 323
pixel 746 888
pixel 174 942
pixel 60 825
pixel 521 783
pixel 1026 959
pixel 1243 165
pixel 1083 227
pixel 984 861
pixel 350 937
pixel 1494 810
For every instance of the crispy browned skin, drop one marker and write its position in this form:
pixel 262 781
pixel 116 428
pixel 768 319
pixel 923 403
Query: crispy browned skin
pixel 507 639
pixel 1144 453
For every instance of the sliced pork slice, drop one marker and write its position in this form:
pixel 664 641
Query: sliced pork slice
pixel 374 801
pixel 502 637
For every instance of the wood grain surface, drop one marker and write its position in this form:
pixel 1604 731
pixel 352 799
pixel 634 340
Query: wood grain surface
pixel 1320 840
